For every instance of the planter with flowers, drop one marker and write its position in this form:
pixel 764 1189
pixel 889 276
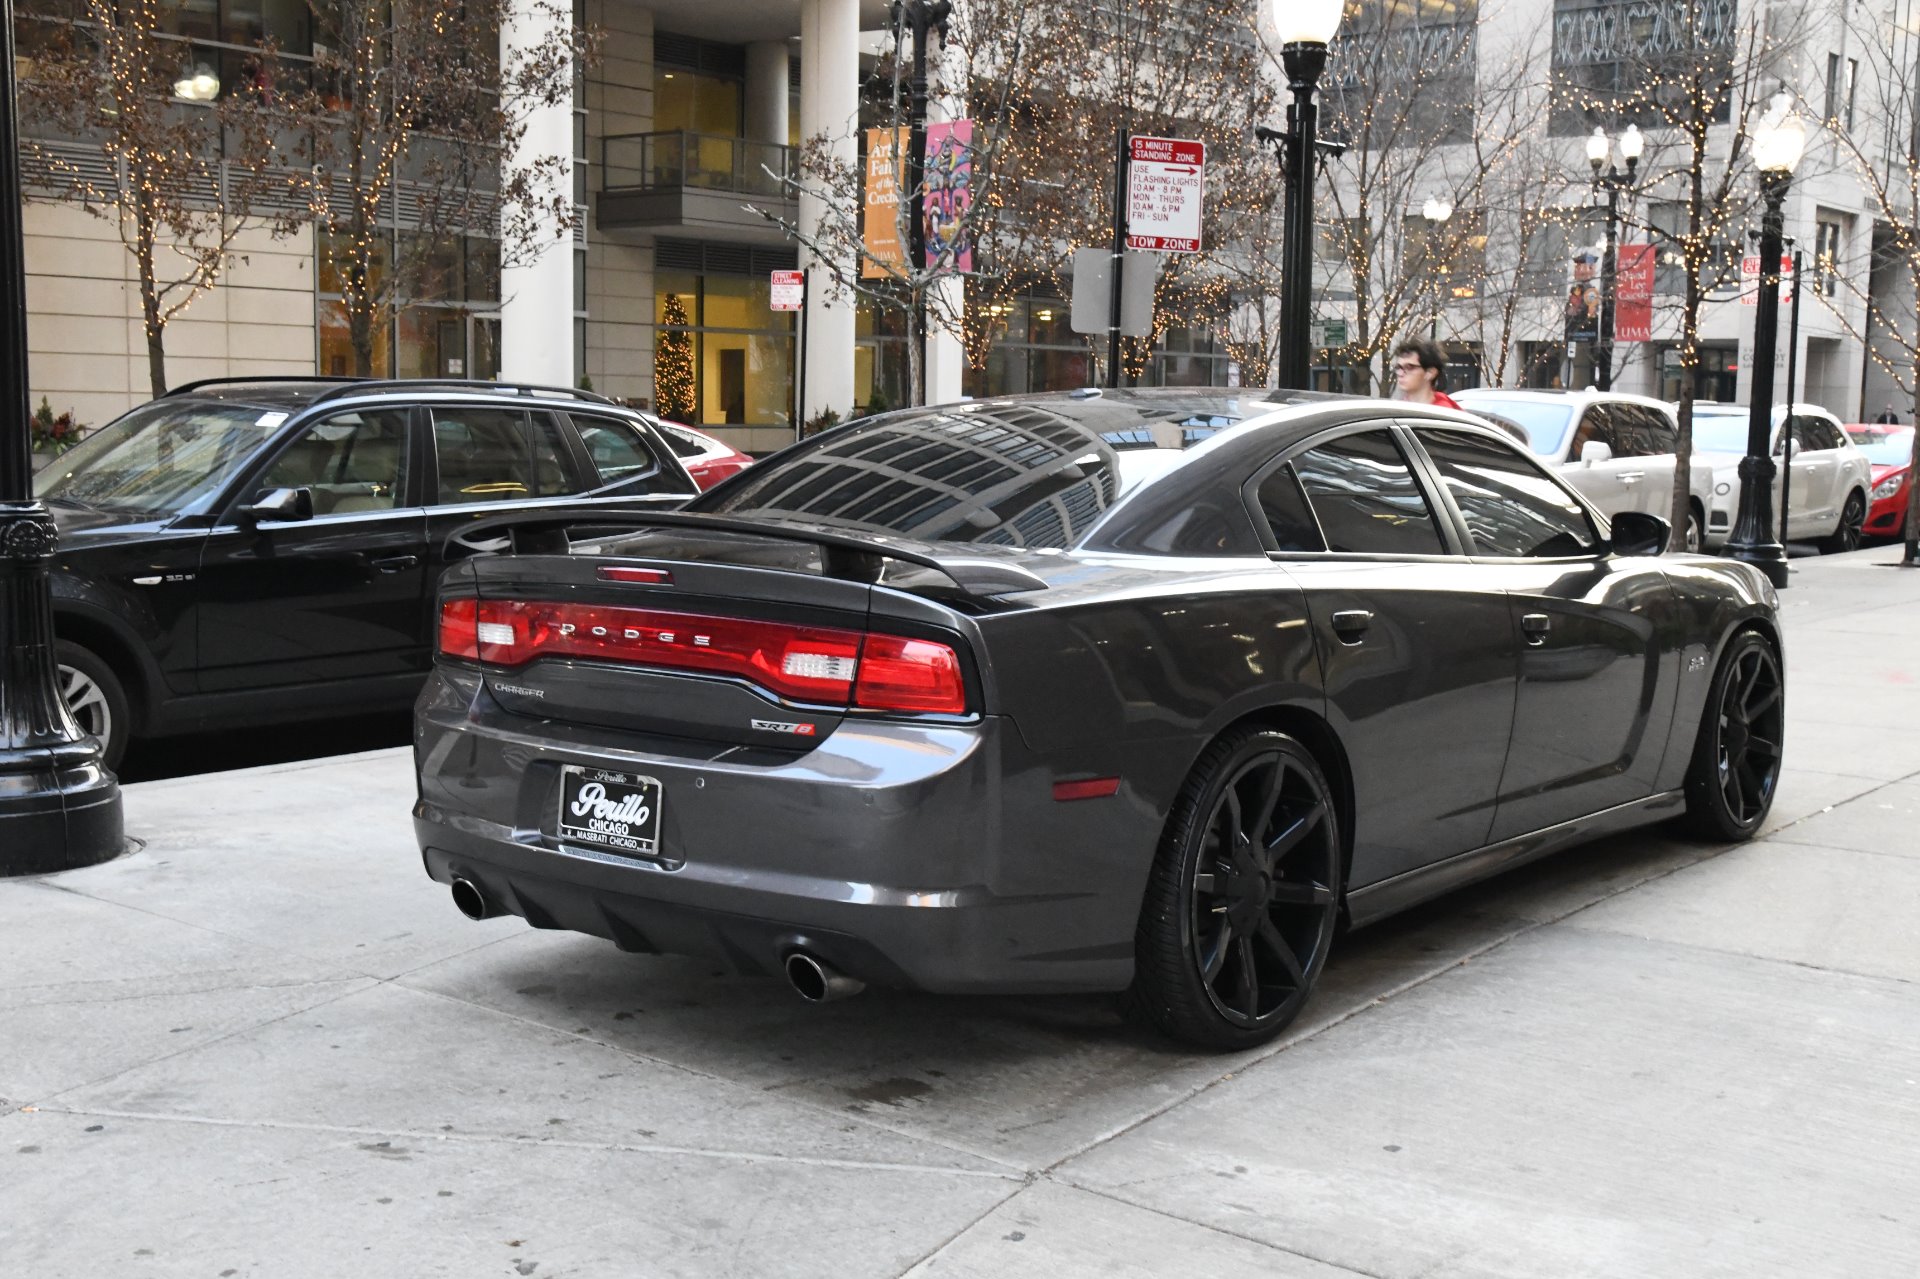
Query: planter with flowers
pixel 52 435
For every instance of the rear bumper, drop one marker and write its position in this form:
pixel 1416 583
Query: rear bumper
pixel 894 851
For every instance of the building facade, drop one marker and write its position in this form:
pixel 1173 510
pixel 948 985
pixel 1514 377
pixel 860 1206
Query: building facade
pixel 662 296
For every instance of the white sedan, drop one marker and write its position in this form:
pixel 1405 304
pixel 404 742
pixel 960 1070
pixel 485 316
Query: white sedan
pixel 1827 500
pixel 1617 450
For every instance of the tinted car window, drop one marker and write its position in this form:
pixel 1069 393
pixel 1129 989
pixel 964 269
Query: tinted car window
pixel 1596 424
pixel 1642 431
pixel 681 443
pixel 497 455
pixel 1815 432
pixel 1511 506
pixel 1366 498
pixel 617 448
pixel 350 462
pixel 1287 512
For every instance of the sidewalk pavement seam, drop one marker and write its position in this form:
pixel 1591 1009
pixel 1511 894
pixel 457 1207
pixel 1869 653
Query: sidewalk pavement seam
pixel 482 1139
pixel 805 1103
pixel 962 1232
pixel 359 983
pixel 1218 1230
pixel 1699 948
pixel 166 994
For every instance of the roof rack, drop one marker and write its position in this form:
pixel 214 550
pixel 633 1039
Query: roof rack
pixel 255 380
pixel 381 385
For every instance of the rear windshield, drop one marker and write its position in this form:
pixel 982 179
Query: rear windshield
pixel 1545 423
pixel 999 474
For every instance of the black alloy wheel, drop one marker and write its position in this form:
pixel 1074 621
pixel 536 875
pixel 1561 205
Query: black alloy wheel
pixel 1243 898
pixel 1736 758
pixel 1853 522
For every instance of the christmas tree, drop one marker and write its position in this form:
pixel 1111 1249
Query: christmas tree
pixel 673 364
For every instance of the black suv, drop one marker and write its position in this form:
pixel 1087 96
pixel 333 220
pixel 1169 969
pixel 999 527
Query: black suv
pixel 251 551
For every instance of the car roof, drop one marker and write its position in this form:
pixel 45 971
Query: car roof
pixel 294 392
pixel 1589 395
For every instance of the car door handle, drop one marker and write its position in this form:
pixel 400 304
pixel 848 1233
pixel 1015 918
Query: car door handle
pixel 1536 627
pixel 396 563
pixel 1352 625
pixel 1632 477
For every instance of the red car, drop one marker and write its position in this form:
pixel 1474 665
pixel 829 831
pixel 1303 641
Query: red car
pixel 707 460
pixel 1890 451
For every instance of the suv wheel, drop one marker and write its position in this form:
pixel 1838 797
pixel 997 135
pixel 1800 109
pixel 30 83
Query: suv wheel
pixel 95 698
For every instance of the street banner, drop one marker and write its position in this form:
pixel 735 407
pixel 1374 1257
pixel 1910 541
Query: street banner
pixel 1633 294
pixel 886 155
pixel 949 183
pixel 1750 280
pixel 1583 298
pixel 1166 180
pixel 787 290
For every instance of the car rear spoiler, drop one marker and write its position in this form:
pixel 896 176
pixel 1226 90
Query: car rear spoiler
pixel 844 555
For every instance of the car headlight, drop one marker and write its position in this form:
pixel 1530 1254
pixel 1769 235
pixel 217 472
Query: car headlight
pixel 1722 489
pixel 1888 487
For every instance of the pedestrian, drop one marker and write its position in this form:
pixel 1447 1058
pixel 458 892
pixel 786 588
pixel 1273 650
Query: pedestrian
pixel 1888 417
pixel 1420 374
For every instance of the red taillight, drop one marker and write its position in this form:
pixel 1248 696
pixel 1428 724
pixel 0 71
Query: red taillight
pixel 818 664
pixel 626 573
pixel 898 674
pixel 459 634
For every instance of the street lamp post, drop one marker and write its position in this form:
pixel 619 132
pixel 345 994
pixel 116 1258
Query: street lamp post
pixel 1777 145
pixel 1305 28
pixel 1613 182
pixel 59 806
pixel 1436 211
pixel 923 18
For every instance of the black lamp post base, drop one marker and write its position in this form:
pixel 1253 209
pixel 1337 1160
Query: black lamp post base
pixel 1771 560
pixel 59 804
pixel 55 818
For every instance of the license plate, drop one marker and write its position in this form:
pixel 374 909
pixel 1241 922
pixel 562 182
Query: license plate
pixel 616 811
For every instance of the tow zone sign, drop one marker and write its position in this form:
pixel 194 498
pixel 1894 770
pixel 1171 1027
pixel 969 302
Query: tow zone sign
pixel 1165 181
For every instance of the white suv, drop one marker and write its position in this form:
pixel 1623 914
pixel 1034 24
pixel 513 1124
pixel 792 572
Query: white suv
pixel 1617 450
pixel 1831 476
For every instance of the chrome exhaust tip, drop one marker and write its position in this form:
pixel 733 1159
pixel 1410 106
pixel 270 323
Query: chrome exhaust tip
pixel 819 982
pixel 470 901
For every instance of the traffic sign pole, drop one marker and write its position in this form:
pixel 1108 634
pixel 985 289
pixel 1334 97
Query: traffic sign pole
pixel 1121 158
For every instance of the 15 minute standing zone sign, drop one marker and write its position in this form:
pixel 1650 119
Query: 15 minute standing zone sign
pixel 1165 177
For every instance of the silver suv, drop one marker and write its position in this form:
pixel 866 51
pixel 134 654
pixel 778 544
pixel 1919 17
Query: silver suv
pixel 1617 450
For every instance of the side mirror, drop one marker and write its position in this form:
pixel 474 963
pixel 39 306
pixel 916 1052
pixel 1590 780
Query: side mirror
pixel 1788 448
pixel 285 505
pixel 1637 533
pixel 1596 451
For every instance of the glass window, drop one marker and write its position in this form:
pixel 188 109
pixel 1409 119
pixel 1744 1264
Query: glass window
pixel 1640 431
pixel 688 99
pixel 350 462
pixel 1596 426
pixel 168 457
pixel 1287 512
pixel 1366 498
pixel 618 451
pixel 1511 506
pixel 497 455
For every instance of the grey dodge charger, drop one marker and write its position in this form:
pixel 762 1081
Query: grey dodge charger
pixel 1148 692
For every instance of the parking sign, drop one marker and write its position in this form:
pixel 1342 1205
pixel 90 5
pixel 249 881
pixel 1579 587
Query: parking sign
pixel 1165 183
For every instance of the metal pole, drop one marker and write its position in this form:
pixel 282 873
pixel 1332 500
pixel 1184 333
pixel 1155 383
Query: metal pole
pixel 1303 64
pixel 1753 538
pixel 1609 282
pixel 59 806
pixel 925 15
pixel 800 351
pixel 1793 375
pixel 1121 171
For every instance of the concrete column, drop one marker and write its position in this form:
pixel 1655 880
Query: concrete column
pixel 536 296
pixel 768 91
pixel 829 108
pixel 946 348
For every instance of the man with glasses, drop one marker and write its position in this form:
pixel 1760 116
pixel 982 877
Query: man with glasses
pixel 1420 373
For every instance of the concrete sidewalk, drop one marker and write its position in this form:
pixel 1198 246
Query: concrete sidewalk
pixel 267 1045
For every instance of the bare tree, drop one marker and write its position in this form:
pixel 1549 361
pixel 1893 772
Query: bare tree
pixel 1693 78
pixel 413 100
pixel 1879 141
pixel 1424 117
pixel 183 179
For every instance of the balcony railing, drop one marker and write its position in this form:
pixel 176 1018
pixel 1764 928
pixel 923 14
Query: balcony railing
pixel 679 159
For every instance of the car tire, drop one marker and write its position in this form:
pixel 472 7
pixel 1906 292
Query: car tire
pixel 1853 519
pixel 1736 754
pixel 95 697
pixel 1243 897
pixel 1695 542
